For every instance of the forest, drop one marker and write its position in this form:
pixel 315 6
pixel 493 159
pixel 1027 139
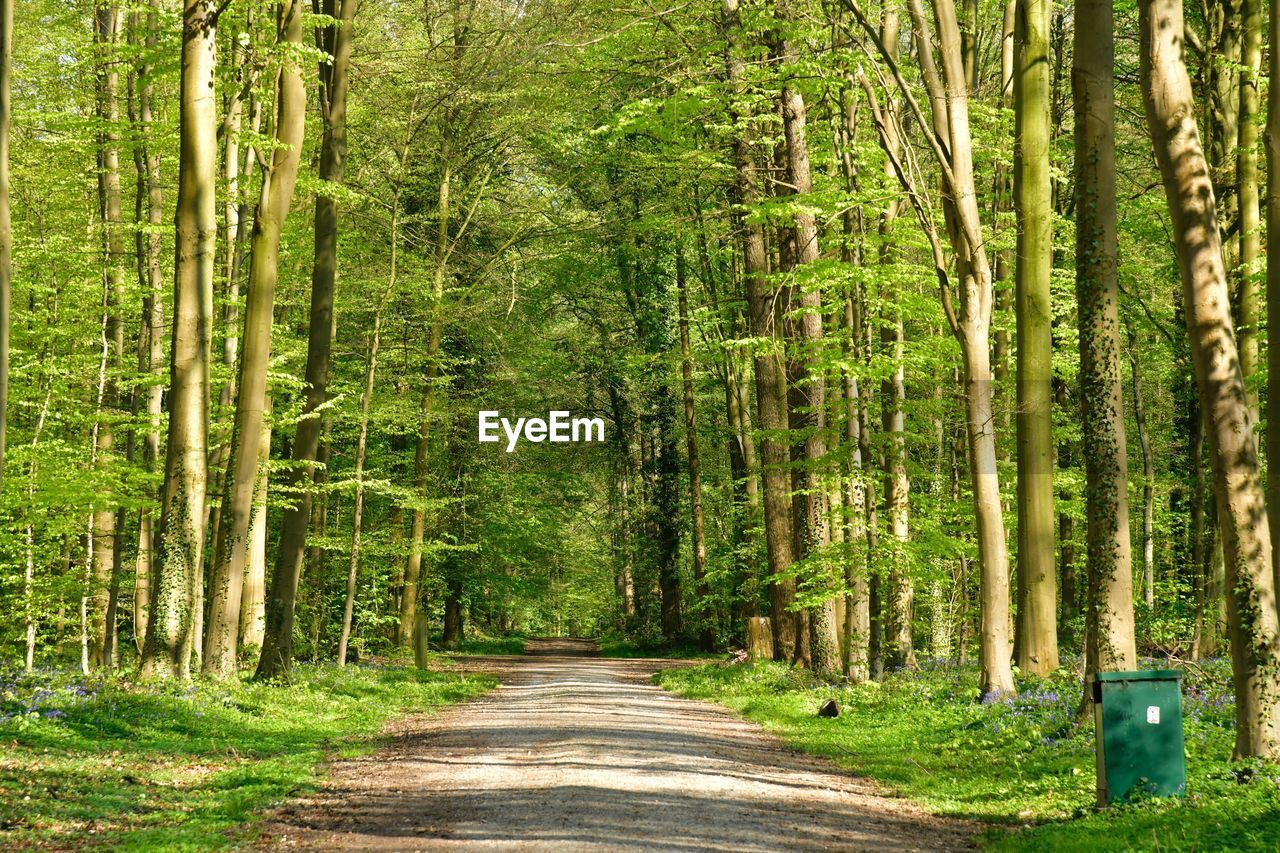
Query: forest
pixel 930 341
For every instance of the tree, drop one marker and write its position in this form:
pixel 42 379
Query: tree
pixel 278 183
pixel 6 227
pixel 1037 643
pixel 1109 640
pixel 770 374
pixel 1252 619
pixel 178 567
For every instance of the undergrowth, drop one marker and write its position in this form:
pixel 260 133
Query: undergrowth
pixel 102 761
pixel 1022 764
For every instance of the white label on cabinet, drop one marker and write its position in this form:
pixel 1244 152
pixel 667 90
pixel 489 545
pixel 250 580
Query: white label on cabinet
pixel 1153 714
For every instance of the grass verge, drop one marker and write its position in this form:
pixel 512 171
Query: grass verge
pixel 1021 765
pixel 613 647
pixel 100 761
pixel 481 644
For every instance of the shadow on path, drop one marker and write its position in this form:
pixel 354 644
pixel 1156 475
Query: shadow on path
pixel 578 752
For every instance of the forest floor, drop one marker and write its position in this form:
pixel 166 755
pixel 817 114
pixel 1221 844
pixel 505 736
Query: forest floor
pixel 101 761
pixel 1021 766
pixel 578 752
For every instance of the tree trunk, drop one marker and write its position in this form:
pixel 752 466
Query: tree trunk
pixel 706 630
pixel 108 24
pixel 1250 239
pixel 1037 643
pixel 1148 480
pixel 148 247
pixel 1251 613
pixel 253 594
pixel 771 382
pixel 362 441
pixel 899 648
pixel 6 227
pixel 1272 139
pixel 1109 640
pixel 812 533
pixel 234 540
pixel 180 540
pixel 277 644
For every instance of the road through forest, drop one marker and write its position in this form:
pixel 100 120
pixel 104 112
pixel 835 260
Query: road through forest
pixel 577 752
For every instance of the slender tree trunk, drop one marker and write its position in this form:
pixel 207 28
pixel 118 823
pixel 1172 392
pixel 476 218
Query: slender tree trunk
pixel 1037 612
pixel 899 647
pixel 706 630
pixel 151 339
pixel 1148 479
pixel 231 556
pixel 277 644
pixel 1248 288
pixel 167 650
pixel 6 227
pixel 1109 640
pixel 362 441
pixel 109 23
pixel 770 373
pixel 422 455
pixel 1252 620
pixel 1272 139
pixel 812 533
pixel 253 594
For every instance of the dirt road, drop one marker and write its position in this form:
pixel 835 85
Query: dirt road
pixel 575 752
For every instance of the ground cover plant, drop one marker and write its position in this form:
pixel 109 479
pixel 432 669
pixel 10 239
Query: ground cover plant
pixel 99 760
pixel 1021 764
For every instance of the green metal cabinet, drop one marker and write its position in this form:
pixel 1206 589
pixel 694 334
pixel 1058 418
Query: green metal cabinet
pixel 1138 724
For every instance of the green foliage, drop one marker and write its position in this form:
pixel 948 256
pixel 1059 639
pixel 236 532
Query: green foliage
pixel 1023 765
pixel 102 761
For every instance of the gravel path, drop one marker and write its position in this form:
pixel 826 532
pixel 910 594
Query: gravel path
pixel 575 752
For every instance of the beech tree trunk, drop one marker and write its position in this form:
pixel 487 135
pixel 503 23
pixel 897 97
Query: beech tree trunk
pixel 706 630
pixel 812 532
pixel 180 540
pixel 253 594
pixel 1109 640
pixel 1148 480
pixel 277 644
pixel 1273 288
pixel 1252 621
pixel 108 25
pixel 1037 643
pixel 148 248
pixel 770 371
pixel 6 227
pixel 1248 291
pixel 278 180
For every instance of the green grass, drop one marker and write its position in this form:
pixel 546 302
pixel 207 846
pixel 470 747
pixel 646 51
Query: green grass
pixel 612 647
pixel 104 762
pixel 479 644
pixel 1021 766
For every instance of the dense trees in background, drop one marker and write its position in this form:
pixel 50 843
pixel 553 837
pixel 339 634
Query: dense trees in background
pixel 847 282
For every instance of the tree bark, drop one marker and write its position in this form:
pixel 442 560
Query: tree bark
pixel 1109 641
pixel 253 594
pixel 108 25
pixel 1248 291
pixel 1037 643
pixel 6 227
pixel 1252 620
pixel 180 552
pixel 706 630
pixel 1272 139
pixel 1148 479
pixel 770 373
pixel 277 644
pixel 812 532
